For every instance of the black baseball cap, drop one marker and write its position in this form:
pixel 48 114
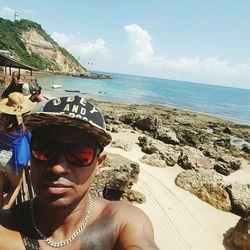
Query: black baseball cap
pixel 73 111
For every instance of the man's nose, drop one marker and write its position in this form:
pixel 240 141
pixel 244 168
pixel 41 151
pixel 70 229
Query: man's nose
pixel 59 164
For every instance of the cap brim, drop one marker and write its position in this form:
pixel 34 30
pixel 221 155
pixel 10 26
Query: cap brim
pixel 37 120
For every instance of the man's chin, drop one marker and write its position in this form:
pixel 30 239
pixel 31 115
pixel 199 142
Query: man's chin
pixel 55 201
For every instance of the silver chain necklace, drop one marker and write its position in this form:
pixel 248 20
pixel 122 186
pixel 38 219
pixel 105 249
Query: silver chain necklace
pixel 72 237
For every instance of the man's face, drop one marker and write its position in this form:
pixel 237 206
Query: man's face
pixel 34 97
pixel 64 162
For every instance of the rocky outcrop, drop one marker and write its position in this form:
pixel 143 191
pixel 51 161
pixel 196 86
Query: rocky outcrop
pixel 122 144
pixel 91 75
pixel 209 186
pixel 147 123
pixel 240 198
pixel 167 136
pixel 116 178
pixel 227 164
pixel 134 196
pixel 154 160
pixel 192 158
pixel 238 238
pixel 159 153
pixel 246 148
pixel 201 144
pixel 206 185
pixel 191 138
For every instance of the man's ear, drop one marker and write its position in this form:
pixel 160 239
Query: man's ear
pixel 100 161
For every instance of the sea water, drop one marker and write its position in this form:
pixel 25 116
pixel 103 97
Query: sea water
pixel 225 102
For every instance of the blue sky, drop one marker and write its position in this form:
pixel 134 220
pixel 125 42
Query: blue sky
pixel 188 40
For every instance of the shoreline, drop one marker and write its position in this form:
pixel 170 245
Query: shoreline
pixel 105 98
pixel 204 120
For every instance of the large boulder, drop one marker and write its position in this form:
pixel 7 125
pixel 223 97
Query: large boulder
pixel 246 148
pixel 147 123
pixel 116 177
pixel 226 164
pixel 207 185
pixel 122 144
pixel 227 130
pixel 154 160
pixel 162 154
pixel 238 238
pixel 167 135
pixel 190 137
pixel 129 118
pixel 223 142
pixel 240 198
pixel 148 145
pixel 134 196
pixel 192 158
pixel 212 152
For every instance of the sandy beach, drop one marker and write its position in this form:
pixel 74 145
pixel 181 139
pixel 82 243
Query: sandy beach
pixel 180 219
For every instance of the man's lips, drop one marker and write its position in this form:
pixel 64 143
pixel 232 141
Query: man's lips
pixel 55 188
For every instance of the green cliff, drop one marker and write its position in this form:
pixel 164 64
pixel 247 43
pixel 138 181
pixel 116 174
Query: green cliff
pixel 30 44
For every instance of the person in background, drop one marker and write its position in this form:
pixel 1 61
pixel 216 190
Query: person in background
pixel 11 128
pixel 33 91
pixel 67 151
pixel 15 85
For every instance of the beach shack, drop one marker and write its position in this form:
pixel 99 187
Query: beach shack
pixel 9 64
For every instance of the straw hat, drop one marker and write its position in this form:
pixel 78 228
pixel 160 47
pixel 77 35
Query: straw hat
pixel 16 104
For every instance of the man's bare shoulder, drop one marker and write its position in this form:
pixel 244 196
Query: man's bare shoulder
pixel 122 209
pixel 10 237
pixel 131 225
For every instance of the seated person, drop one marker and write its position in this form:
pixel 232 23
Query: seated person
pixel 15 85
pixel 33 91
pixel 11 129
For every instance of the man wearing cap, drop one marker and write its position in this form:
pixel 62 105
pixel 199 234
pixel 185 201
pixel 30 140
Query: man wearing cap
pixel 32 90
pixel 68 138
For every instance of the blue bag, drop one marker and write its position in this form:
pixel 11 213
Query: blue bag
pixel 21 151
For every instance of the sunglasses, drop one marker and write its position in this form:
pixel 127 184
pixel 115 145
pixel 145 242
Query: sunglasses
pixel 76 154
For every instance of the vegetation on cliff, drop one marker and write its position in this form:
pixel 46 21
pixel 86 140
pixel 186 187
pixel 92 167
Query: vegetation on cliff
pixel 10 39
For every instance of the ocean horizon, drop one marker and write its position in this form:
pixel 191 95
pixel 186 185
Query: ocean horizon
pixel 223 102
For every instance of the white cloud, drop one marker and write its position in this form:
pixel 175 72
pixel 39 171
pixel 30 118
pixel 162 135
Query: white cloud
pixel 183 68
pixel 89 49
pixel 87 52
pixel 140 44
pixel 62 39
pixel 6 11
pixel 91 52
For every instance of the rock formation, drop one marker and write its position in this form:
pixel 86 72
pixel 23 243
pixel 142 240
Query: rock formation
pixel 116 179
pixel 238 238
pixel 36 43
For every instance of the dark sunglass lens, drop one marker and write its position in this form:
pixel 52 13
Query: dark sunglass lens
pixel 80 155
pixel 42 151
